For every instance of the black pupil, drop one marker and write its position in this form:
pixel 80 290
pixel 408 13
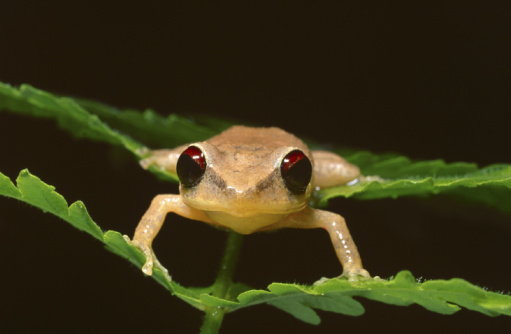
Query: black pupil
pixel 296 171
pixel 190 167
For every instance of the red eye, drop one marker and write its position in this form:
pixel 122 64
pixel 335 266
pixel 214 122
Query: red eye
pixel 190 167
pixel 296 170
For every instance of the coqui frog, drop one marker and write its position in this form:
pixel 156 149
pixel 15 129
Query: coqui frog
pixel 250 180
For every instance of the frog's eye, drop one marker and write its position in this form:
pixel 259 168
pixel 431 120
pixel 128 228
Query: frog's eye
pixel 296 170
pixel 190 167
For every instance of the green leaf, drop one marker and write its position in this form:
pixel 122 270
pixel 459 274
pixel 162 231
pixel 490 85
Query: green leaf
pixel 148 126
pixel 70 116
pixel 30 189
pixel 403 290
pixel 93 120
pixel 79 218
pixel 73 117
pixel 442 296
pixel 8 188
pixel 399 176
pixel 396 176
pixel 336 295
pixel 37 193
pixel 305 300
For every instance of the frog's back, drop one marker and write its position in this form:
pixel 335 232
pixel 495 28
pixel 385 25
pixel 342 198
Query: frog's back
pixel 255 139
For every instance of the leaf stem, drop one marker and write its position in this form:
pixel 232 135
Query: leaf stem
pixel 215 315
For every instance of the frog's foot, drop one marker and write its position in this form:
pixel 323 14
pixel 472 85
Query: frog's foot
pixel 151 260
pixel 146 162
pixel 355 274
pixel 164 270
pixel 352 274
pixel 147 268
pixel 370 178
pixel 142 151
pixel 147 158
pixel 322 280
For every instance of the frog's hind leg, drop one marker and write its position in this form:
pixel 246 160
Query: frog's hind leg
pixel 165 159
pixel 332 170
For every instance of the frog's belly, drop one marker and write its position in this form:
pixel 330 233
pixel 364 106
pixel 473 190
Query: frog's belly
pixel 246 224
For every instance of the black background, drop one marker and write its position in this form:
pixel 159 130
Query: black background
pixel 428 80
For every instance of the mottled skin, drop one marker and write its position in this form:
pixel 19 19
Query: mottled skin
pixel 243 190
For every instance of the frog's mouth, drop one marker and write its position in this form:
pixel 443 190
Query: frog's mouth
pixel 245 224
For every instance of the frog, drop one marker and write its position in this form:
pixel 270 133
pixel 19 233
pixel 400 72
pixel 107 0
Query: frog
pixel 248 180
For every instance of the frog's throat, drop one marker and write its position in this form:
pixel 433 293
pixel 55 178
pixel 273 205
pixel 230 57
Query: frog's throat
pixel 245 224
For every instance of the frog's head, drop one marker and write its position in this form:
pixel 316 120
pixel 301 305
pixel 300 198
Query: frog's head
pixel 246 186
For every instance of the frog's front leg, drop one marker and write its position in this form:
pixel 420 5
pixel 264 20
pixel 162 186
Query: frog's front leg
pixel 335 225
pixel 343 243
pixel 153 219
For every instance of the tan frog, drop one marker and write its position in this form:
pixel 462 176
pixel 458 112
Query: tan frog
pixel 250 180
